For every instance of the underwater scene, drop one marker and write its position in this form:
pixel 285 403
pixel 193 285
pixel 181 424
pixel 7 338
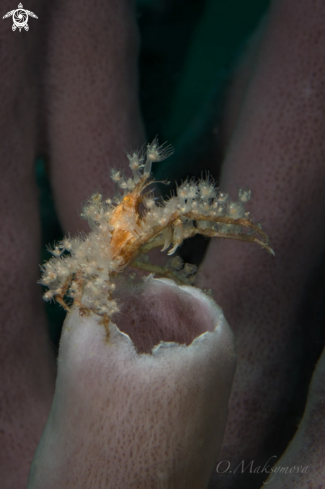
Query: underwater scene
pixel 162 312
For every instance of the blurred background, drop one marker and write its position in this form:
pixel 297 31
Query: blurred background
pixel 188 51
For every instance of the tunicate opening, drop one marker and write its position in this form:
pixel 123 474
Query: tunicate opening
pixel 155 311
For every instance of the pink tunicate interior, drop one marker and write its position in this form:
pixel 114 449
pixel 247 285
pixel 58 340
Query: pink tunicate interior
pixel 151 313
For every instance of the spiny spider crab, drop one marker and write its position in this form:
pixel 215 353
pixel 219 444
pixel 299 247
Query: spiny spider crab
pixel 122 232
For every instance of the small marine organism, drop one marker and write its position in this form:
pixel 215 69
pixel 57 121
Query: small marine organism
pixel 84 269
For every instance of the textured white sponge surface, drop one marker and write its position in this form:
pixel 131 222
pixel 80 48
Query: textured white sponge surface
pixel 121 419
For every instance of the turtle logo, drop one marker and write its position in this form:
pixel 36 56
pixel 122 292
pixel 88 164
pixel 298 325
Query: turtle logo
pixel 20 18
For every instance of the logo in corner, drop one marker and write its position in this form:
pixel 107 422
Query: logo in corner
pixel 20 18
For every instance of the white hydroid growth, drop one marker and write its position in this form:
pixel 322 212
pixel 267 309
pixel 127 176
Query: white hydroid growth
pixel 84 269
pixel 147 407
